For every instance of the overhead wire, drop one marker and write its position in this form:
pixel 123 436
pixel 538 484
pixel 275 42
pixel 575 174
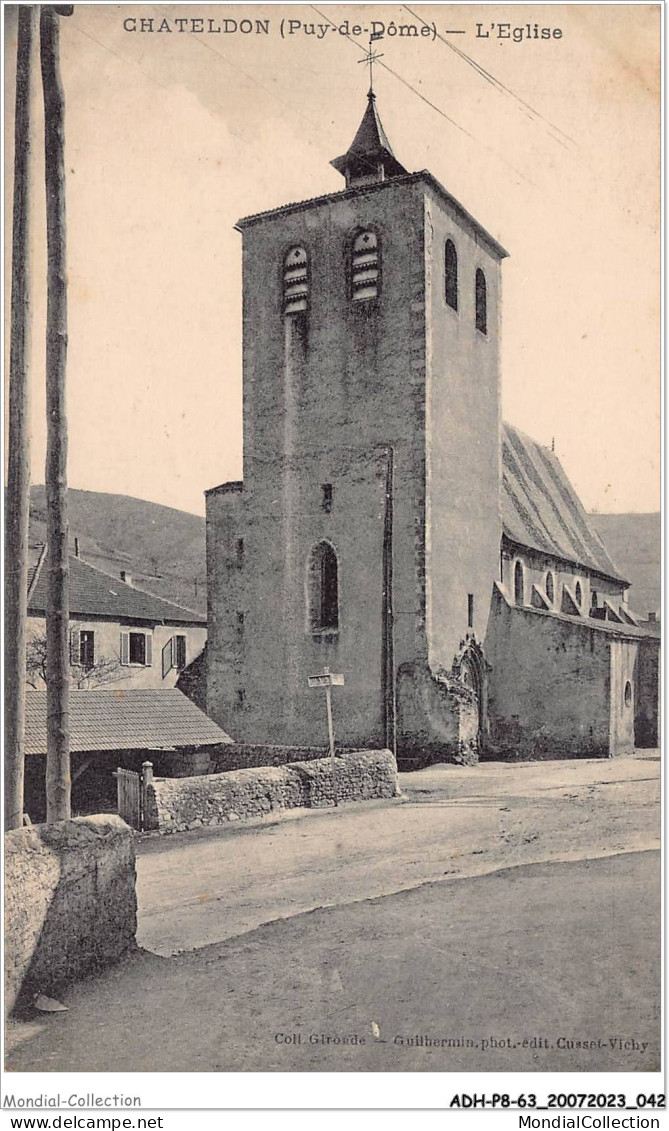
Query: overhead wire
pixel 497 83
pixel 433 106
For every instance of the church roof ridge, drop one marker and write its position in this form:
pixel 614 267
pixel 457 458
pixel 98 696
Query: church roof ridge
pixel 541 510
pixel 358 190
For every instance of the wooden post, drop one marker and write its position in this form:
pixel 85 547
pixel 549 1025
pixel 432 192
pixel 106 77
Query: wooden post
pixel 333 761
pixel 58 784
pixel 18 447
pixel 147 778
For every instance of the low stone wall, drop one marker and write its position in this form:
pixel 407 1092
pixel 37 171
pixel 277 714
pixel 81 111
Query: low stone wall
pixel 245 756
pixel 70 902
pixel 178 804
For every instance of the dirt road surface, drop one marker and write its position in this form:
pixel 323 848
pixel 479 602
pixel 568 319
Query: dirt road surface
pixel 500 918
pixel 199 888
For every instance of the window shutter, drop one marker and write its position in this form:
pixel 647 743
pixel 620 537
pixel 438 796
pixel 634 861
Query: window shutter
pixel 75 658
pixel 167 657
pixel 125 647
pixel 149 650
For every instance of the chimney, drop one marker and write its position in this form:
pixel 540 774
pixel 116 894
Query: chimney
pixel 126 577
pixel 652 617
pixel 76 547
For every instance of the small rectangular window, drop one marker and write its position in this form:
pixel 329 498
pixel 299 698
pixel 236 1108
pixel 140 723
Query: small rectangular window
pixel 240 626
pixel 86 649
pixel 470 610
pixel 239 553
pixel 137 648
pixel 180 653
pixel 326 502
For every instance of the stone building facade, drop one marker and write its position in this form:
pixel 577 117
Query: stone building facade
pixel 374 533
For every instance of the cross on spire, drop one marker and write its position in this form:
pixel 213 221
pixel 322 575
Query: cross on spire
pixel 371 57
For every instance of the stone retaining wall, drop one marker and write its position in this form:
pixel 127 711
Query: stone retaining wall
pixel 70 903
pixel 177 804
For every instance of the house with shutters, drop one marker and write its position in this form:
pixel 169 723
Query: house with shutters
pixel 120 636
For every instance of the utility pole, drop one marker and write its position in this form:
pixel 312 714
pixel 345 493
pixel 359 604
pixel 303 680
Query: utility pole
pixel 18 447
pixel 58 785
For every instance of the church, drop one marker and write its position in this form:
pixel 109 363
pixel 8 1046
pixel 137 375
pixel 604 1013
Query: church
pixel 389 526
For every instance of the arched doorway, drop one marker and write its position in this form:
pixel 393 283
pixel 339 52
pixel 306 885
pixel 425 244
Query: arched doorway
pixel 472 673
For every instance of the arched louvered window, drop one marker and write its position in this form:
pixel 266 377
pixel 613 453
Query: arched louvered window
pixel 519 584
pixel 451 274
pixel 365 266
pixel 550 587
pixel 323 588
pixel 481 302
pixel 295 281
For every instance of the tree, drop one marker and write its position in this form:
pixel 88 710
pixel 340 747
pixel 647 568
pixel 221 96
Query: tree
pixel 105 670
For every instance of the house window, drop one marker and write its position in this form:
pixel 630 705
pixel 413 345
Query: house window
pixel 179 652
pixel 324 588
pixel 365 266
pixel 470 610
pixel 519 584
pixel 240 626
pixel 86 649
pixel 451 274
pixel 550 587
pixel 136 648
pixel 594 599
pixel 628 694
pixel 481 302
pixel 295 281
pixel 578 593
pixel 239 553
pixel 326 500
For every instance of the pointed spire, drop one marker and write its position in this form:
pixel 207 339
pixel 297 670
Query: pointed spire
pixel 370 157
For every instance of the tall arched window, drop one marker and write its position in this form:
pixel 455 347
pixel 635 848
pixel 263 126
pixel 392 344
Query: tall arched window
pixel 295 281
pixel 365 266
pixel 323 588
pixel 481 302
pixel 519 584
pixel 451 274
pixel 550 587
pixel 578 593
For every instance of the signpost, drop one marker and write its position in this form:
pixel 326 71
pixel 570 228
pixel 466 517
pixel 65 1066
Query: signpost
pixel 328 680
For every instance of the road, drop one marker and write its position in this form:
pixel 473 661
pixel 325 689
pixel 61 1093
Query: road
pixel 495 918
pixel 198 888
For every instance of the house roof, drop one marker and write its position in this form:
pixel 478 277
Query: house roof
pixel 541 510
pixel 97 594
pixel 124 720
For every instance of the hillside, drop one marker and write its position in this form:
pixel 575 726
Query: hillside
pixel 634 542
pixel 163 548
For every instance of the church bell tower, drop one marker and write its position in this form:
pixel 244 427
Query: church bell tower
pixel 365 534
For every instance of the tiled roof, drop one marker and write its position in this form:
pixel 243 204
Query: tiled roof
pixel 96 594
pixel 124 720
pixel 541 510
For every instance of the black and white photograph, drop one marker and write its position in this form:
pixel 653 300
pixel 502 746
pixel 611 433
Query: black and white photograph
pixel 332 549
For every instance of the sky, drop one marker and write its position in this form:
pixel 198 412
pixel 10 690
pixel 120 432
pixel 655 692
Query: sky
pixel 172 136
